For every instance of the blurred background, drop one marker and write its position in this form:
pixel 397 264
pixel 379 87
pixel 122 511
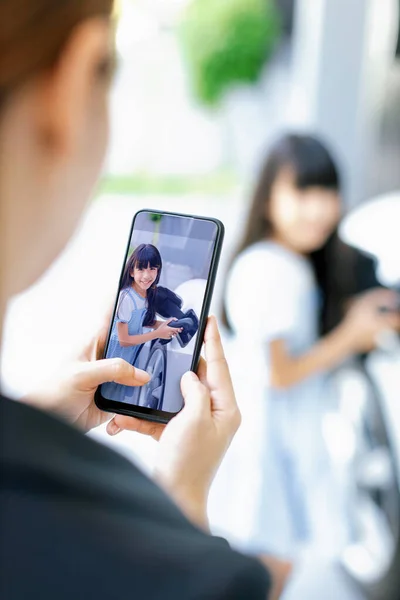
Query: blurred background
pixel 203 88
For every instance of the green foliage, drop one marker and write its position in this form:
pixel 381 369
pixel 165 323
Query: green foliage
pixel 227 42
pixel 155 217
pixel 213 184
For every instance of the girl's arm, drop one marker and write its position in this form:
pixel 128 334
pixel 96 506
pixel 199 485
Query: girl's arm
pixel 357 333
pixel 287 370
pixel 277 296
pixel 163 332
pixel 127 340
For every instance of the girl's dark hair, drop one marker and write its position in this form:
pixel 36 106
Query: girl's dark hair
pixel 144 256
pixel 337 267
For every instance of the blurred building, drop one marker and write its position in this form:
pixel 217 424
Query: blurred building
pixel 336 72
pixel 345 78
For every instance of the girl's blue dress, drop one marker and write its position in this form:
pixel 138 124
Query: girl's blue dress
pixel 116 391
pixel 277 491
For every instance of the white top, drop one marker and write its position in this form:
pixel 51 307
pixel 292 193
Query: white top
pixel 271 294
pixel 126 305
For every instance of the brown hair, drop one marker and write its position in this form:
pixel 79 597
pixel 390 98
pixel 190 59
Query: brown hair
pixel 34 32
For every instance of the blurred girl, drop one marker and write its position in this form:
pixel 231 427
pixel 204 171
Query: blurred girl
pixel 135 313
pixel 286 295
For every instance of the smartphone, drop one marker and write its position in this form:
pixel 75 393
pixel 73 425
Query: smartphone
pixel 161 309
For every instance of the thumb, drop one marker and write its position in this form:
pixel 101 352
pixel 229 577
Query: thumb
pixel 196 395
pixel 92 374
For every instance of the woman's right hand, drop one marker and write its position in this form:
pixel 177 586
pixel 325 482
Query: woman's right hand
pixel 365 320
pixel 165 332
pixel 193 444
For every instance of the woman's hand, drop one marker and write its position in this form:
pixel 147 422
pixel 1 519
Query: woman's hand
pixel 365 321
pixel 280 572
pixel 164 332
pixel 70 394
pixel 192 445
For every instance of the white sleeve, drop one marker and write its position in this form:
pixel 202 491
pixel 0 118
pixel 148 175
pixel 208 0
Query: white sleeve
pixel 265 293
pixel 125 307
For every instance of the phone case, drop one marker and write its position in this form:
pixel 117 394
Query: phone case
pixel 196 325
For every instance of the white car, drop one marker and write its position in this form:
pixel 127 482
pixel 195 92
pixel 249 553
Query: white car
pixel 369 412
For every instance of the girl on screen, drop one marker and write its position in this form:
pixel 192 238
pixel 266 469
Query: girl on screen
pixel 135 313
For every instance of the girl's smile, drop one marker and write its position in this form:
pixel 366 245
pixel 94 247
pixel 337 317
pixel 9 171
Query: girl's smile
pixel 144 278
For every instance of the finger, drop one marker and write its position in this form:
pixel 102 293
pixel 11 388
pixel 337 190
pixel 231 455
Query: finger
pixel 393 321
pixel 100 341
pixel 106 323
pixel 213 346
pixel 100 344
pixel 112 427
pixel 122 422
pixel 95 349
pixel 196 396
pixel 91 374
pixel 218 375
pixel 388 319
pixel 202 371
pixel 384 296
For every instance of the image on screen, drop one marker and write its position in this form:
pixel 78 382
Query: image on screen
pixel 165 277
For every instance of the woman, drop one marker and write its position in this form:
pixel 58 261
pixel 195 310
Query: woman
pixel 135 312
pixel 288 302
pixel 79 519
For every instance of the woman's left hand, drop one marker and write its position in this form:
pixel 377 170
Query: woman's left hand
pixel 70 395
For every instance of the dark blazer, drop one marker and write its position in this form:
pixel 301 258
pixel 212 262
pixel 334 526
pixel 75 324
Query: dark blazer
pixel 78 521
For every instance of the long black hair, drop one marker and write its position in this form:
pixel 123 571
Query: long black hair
pixel 142 257
pixel 340 271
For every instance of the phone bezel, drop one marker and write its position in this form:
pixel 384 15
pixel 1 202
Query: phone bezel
pixel 142 412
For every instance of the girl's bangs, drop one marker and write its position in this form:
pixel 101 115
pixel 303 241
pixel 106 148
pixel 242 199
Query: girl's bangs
pixel 309 160
pixel 314 167
pixel 318 173
pixel 147 257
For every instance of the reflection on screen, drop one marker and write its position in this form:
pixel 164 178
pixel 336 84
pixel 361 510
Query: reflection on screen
pixel 159 304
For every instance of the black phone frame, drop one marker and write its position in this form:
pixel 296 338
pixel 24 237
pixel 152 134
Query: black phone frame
pixel 142 412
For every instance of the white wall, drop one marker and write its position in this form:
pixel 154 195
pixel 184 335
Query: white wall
pixel 343 53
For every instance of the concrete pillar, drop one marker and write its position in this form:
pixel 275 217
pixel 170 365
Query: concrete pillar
pixel 342 53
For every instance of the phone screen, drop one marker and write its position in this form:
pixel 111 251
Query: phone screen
pixel 162 304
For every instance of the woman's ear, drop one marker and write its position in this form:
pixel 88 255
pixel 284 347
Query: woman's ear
pixel 70 90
